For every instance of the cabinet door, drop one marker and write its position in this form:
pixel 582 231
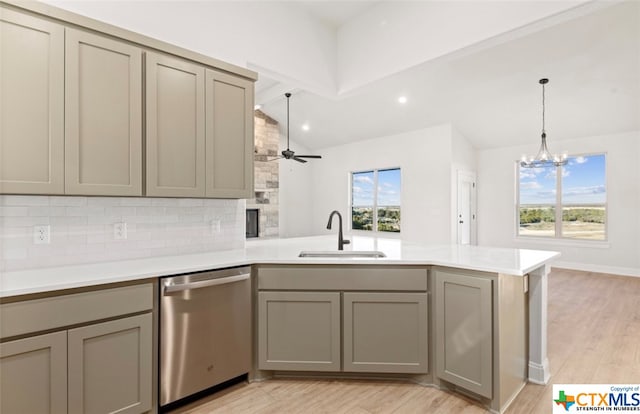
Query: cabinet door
pixel 33 374
pixel 31 105
pixel 175 159
pixel 110 366
pixel 103 116
pixel 464 331
pixel 385 332
pixel 299 331
pixel 229 131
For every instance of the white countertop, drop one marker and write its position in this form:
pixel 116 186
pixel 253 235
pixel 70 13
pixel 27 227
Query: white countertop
pixel 277 251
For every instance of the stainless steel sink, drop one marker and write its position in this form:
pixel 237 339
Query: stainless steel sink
pixel 343 254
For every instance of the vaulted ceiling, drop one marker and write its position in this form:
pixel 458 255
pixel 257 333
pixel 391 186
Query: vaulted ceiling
pixel 475 64
pixel 490 91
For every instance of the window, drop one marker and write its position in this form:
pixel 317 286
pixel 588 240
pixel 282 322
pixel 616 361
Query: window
pixel 375 200
pixel 564 202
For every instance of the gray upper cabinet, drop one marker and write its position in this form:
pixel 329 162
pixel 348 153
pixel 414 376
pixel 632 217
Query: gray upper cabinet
pixel 33 374
pixel 31 105
pixel 175 135
pixel 71 113
pixel 103 116
pixel 229 136
pixel 385 332
pixel 464 331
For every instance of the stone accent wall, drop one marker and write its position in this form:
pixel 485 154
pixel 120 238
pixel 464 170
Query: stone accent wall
pixel 267 138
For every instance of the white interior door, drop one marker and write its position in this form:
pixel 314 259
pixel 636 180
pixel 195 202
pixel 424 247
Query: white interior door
pixel 466 210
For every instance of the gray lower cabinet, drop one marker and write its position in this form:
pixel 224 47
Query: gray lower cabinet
pixel 32 105
pixel 99 368
pixel 299 331
pixel 464 346
pixel 99 359
pixel 103 115
pixel 33 374
pixel 385 332
pixel 110 366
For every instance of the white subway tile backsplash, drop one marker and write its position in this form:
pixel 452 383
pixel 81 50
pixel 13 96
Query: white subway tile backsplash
pixel 14 253
pixel 68 201
pixel 103 201
pixel 13 211
pixel 82 228
pixel 47 211
pixel 136 202
pixel 16 200
pixel 24 221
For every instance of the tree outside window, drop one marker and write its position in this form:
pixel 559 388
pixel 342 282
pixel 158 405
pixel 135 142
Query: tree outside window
pixel 564 202
pixel 375 200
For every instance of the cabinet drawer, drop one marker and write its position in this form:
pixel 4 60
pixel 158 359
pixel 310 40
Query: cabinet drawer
pixel 21 318
pixel 341 277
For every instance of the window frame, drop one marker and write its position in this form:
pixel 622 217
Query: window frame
pixel 375 202
pixel 558 206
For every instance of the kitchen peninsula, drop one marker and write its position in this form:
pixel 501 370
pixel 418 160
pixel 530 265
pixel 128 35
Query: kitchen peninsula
pixel 479 312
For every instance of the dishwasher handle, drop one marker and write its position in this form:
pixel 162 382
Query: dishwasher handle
pixel 170 288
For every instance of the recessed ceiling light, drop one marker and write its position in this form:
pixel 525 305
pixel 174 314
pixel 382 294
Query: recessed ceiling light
pixel 402 99
pixel 305 127
pixel 256 107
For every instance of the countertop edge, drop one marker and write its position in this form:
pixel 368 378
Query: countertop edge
pixel 155 273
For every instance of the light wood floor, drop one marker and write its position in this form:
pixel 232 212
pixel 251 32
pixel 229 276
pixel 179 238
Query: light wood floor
pixel 593 335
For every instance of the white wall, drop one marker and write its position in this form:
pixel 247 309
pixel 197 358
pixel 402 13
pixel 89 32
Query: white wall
pixel 463 158
pixel 424 157
pixel 296 202
pixel 278 36
pixel 497 214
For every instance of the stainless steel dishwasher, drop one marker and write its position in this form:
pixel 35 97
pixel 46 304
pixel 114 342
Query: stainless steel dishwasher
pixel 205 331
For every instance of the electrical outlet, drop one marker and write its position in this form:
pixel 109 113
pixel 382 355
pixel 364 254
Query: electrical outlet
pixel 42 234
pixel 120 231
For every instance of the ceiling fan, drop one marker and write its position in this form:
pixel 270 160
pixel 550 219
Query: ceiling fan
pixel 288 154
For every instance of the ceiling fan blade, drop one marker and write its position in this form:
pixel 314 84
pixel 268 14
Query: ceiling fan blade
pixel 309 156
pixel 299 159
pixel 275 159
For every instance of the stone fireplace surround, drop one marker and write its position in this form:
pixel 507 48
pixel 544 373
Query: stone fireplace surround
pixel 267 138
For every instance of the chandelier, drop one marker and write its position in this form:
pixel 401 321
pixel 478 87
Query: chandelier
pixel 544 158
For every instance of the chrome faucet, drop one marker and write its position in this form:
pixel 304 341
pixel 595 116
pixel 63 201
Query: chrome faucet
pixel 341 241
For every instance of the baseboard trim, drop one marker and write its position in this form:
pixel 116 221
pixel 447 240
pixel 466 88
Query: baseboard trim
pixel 539 373
pixel 586 267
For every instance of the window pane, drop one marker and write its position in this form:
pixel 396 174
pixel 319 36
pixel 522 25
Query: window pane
pixel 389 200
pixel 537 202
pixel 584 198
pixel 362 218
pixel 537 221
pixel 389 219
pixel 362 186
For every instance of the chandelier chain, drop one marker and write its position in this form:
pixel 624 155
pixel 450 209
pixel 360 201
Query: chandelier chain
pixel 543 131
